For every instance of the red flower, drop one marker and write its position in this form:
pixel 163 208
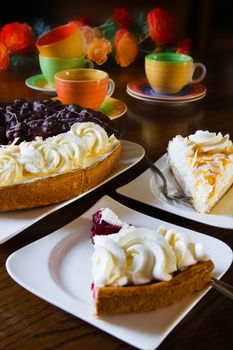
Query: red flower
pixel 184 46
pixel 161 26
pixel 4 57
pixel 119 34
pixel 122 17
pixel 17 37
pixel 126 48
pixel 78 22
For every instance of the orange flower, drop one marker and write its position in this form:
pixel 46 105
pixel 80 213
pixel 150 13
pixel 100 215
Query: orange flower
pixel 126 48
pixel 98 50
pixel 161 26
pixel 4 57
pixel 17 37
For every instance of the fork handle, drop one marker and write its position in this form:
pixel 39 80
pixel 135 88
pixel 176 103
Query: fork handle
pixel 157 170
pixel 222 287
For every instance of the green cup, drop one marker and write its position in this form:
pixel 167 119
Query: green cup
pixel 52 65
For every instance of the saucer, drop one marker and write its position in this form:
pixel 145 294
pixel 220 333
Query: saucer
pixel 141 88
pixel 111 107
pixel 169 103
pixel 39 83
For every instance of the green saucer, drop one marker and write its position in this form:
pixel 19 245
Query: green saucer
pixel 39 83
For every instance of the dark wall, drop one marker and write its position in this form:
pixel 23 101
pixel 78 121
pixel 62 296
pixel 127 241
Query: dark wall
pixel 207 22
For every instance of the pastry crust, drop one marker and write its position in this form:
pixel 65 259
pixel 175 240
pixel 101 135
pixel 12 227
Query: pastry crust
pixel 129 299
pixel 57 188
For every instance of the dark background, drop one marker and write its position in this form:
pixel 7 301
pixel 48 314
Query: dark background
pixel 208 23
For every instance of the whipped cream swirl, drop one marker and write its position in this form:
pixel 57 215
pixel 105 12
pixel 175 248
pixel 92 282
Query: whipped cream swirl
pixel 10 168
pixel 186 251
pixel 94 138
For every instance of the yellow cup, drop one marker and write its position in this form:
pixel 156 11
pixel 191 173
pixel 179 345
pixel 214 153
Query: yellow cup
pixel 168 73
pixel 64 41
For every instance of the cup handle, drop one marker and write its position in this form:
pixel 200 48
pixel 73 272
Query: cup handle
pixel 88 63
pixel 111 87
pixel 202 75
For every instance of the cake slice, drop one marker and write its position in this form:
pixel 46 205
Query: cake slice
pixel 136 269
pixel 202 164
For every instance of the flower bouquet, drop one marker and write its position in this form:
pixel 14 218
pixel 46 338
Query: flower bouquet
pixel 122 37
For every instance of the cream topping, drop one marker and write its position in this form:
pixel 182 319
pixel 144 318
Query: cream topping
pixel 133 255
pixel 186 251
pixel 81 147
pixel 137 255
pixel 206 141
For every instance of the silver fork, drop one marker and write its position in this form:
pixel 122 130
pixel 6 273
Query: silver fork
pixel 222 287
pixel 176 195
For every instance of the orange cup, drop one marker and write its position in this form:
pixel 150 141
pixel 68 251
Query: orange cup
pixel 64 41
pixel 83 86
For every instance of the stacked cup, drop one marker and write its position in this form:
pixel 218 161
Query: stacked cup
pixel 59 49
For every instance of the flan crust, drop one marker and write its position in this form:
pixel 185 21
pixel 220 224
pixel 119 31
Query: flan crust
pixel 56 188
pixel 130 299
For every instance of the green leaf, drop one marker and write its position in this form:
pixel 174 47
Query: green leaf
pixel 140 24
pixel 108 29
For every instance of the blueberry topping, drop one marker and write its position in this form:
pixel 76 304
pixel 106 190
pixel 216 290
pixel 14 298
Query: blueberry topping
pixel 26 120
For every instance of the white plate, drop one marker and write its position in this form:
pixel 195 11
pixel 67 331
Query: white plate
pixel 62 260
pixel 147 188
pixel 13 222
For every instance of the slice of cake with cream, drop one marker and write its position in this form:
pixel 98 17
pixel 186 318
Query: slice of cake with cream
pixel 138 269
pixel 202 164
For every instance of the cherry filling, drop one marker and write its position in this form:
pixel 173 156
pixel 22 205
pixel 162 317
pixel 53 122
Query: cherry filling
pixel 101 227
pixel 25 120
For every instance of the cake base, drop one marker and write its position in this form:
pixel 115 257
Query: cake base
pixel 130 299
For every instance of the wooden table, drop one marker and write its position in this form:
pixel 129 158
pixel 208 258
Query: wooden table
pixel 28 322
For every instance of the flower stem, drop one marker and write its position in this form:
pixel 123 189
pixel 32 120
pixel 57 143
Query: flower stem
pixel 143 39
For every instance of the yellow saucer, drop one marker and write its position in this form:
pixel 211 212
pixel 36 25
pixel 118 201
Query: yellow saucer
pixel 111 107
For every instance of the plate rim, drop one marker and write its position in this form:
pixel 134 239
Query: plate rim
pixel 168 102
pixel 52 240
pixel 165 97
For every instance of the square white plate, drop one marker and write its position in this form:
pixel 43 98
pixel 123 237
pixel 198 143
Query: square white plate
pixel 13 222
pixel 57 268
pixel 147 188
